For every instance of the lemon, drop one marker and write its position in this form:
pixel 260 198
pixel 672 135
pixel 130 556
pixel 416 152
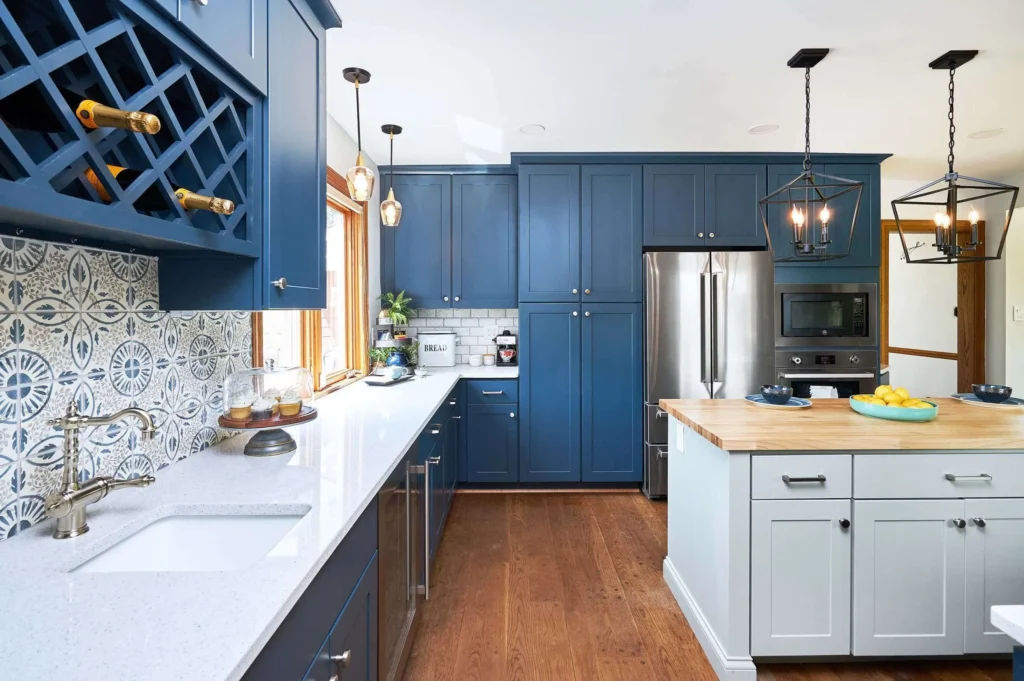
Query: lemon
pixel 882 390
pixel 910 401
pixel 892 398
pixel 920 405
pixel 875 400
pixel 902 392
pixel 862 398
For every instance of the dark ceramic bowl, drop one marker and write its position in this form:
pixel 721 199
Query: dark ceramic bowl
pixel 992 393
pixel 776 394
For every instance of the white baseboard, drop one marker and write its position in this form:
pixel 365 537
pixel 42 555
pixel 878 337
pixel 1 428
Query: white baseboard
pixel 728 669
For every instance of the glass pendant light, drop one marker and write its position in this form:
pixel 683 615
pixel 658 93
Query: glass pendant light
pixel 390 209
pixel 808 203
pixel 954 189
pixel 360 178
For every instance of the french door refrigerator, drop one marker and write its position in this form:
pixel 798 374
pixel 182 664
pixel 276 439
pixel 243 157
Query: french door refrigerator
pixel 708 334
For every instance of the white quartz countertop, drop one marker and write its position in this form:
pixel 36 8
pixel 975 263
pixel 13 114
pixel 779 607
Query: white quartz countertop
pixel 163 626
pixel 1010 620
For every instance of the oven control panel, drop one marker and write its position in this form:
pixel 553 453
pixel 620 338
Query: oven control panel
pixel 828 361
pixel 860 316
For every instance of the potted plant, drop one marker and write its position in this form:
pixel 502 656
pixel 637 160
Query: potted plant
pixel 379 357
pixel 396 307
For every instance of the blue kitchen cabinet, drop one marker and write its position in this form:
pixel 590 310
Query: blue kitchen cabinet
pixel 731 195
pixel 549 392
pixel 417 255
pixel 485 248
pixel 169 6
pixel 492 443
pixel 612 233
pixel 321 669
pixel 673 205
pixel 549 233
pixel 612 392
pixel 294 253
pixel 866 249
pixel 237 32
pixel 449 466
pixel 354 637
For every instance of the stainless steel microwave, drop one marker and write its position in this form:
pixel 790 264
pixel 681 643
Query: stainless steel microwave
pixel 825 314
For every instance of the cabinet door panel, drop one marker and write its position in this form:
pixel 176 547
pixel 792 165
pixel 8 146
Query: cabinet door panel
pixel 493 443
pixel 673 205
pixel 236 31
pixel 485 248
pixel 417 255
pixel 779 226
pixel 866 250
pixel 731 213
pixel 612 392
pixel 549 233
pixel 356 631
pixel 612 239
pixel 994 572
pixel 296 161
pixel 549 392
pixel 908 578
pixel 800 578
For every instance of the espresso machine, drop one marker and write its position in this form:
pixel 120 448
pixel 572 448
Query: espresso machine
pixel 508 350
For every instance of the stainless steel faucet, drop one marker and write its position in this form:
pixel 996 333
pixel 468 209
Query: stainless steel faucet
pixel 68 504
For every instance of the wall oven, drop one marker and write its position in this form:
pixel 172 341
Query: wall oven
pixel 825 314
pixel 849 372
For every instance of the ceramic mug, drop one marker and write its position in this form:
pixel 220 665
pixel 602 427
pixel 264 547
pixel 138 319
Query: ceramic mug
pixel 394 372
pixel 506 354
pixel 475 360
pixel 488 360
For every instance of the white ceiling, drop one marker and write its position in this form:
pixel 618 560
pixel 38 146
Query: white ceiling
pixel 462 76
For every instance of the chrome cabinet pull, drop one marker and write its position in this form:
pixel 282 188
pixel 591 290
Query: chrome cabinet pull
pixel 456 299
pixel 700 235
pixel 281 283
pixel 511 414
pixel 586 314
pixel 662 453
pixel 434 460
pixel 714 326
pixel 435 428
pixel 844 523
pixel 587 291
pixel 492 392
pixel 446 299
pixel 452 403
pixel 980 477
pixel 817 478
pixel 824 376
pixel 959 523
pixel 711 235
pixel 574 312
pixel 980 522
pixel 340 662
pixel 575 291
pixel 660 414
pixel 408 532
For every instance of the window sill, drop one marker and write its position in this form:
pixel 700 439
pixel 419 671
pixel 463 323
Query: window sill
pixel 335 387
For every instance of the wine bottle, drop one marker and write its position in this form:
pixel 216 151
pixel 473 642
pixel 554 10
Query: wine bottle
pixel 28 109
pixel 153 198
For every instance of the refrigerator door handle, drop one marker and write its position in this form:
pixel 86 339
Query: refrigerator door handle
pixel 714 331
pixel 703 330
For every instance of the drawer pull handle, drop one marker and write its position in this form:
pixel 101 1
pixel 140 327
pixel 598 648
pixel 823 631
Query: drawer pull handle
pixel 662 453
pixel 452 403
pixel 959 523
pixel 492 392
pixel 844 523
pixel 435 428
pixel 660 414
pixel 818 478
pixel 981 477
pixel 342 660
pixel 980 522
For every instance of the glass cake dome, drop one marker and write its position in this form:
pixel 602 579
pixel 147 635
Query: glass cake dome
pixel 249 392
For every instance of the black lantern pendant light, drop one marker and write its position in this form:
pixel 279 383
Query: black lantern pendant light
pixel 806 204
pixel 360 178
pixel 952 189
pixel 390 209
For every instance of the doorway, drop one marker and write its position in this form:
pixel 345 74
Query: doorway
pixel 932 317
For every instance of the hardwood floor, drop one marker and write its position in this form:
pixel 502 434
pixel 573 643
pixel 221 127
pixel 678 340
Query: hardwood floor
pixel 568 587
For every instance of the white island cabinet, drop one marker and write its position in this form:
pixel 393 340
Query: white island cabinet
pixel 824 533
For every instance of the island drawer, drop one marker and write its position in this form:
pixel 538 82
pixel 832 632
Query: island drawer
pixel 801 476
pixel 938 475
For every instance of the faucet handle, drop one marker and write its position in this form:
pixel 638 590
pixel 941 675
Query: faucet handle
pixel 53 422
pixel 141 481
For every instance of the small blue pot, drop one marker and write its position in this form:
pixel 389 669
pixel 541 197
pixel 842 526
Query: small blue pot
pixel 396 359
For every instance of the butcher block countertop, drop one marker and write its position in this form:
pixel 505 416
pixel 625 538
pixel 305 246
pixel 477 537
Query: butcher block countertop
pixel 830 424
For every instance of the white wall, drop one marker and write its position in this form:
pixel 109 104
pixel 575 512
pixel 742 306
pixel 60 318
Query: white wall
pixel 341 154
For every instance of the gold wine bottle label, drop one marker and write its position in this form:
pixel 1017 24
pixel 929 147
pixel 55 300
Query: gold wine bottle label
pixel 192 201
pixel 94 180
pixel 95 115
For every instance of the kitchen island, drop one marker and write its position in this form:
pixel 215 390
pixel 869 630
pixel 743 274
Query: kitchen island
pixel 821 532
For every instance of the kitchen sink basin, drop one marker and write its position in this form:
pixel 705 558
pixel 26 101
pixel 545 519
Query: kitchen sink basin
pixel 195 543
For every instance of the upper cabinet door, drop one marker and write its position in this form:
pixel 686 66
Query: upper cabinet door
pixel 485 250
pixel 549 233
pixel 236 31
pixel 731 215
pixel 612 243
pixel 417 255
pixel 295 204
pixel 866 250
pixel 908 578
pixel 612 397
pixel 779 226
pixel 674 205
pixel 995 544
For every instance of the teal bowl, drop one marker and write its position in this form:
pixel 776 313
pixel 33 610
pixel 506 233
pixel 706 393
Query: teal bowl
pixel 895 413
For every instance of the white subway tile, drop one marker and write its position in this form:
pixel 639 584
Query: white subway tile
pixel 429 314
pixel 470 322
pixel 512 312
pixel 496 313
pixel 446 314
pixel 452 323
pixel 479 313
pixel 507 321
pixel 462 313
pixel 478 349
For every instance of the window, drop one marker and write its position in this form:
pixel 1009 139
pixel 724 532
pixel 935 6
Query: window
pixel 331 342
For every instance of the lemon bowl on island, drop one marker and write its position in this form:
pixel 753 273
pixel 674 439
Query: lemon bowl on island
pixel 894 405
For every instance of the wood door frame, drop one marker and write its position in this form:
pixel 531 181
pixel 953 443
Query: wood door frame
pixel 970 301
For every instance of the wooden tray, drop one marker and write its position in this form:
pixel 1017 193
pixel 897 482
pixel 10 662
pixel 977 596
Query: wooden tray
pixel 307 413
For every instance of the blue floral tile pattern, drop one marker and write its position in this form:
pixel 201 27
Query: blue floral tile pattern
pixel 85 325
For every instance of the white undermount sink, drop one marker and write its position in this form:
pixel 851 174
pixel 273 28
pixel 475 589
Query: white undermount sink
pixel 195 543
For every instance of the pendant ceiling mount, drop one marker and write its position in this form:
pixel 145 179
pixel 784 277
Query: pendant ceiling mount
pixel 390 208
pixel 809 207
pixel 360 178
pixel 957 241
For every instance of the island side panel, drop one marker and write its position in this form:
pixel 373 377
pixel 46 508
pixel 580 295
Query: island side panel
pixel 708 562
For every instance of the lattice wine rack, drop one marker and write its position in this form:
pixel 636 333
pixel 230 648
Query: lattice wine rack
pixel 99 50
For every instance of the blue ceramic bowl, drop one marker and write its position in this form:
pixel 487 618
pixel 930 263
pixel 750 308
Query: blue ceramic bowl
pixel 986 392
pixel 776 394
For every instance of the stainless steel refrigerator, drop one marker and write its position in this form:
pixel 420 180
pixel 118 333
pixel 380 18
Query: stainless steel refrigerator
pixel 708 334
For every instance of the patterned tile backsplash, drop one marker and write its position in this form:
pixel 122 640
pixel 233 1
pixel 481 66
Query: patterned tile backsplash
pixel 83 324
pixel 475 329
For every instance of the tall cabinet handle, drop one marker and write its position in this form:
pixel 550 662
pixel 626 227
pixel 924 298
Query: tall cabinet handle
pixel 714 327
pixel 408 533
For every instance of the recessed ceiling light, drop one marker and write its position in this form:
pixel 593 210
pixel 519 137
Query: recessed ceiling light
pixel 532 129
pixel 763 129
pixel 985 134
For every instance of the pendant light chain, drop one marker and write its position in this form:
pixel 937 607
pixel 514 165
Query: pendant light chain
pixel 807 118
pixel 391 175
pixel 952 126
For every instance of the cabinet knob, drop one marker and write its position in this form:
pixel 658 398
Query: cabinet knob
pixel 700 235
pixel 446 299
pixel 511 414
pixel 342 660
pixel 575 313
pixel 959 523
pixel 281 283
pixel 980 522
pixel 586 314
pixel 587 291
pixel 575 291
pixel 844 523
pixel 711 235
pixel 456 299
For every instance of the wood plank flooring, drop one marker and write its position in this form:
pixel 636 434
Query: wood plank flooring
pixel 568 587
